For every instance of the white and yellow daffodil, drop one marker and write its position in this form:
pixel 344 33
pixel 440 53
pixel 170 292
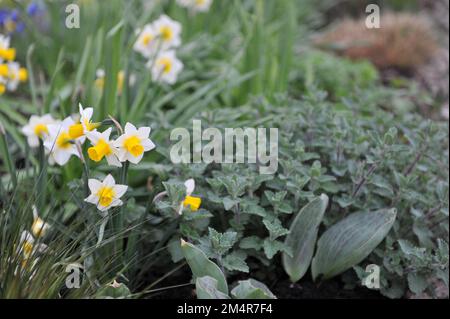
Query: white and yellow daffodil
pixel 37 128
pixel 59 142
pixel 77 131
pixel 16 74
pixel 168 32
pixel 190 201
pixel 196 5
pixel 103 147
pixel 106 194
pixel 28 247
pixel 100 80
pixel 166 67
pixel 201 5
pixel 39 228
pixel 146 43
pixel 6 53
pixel 134 143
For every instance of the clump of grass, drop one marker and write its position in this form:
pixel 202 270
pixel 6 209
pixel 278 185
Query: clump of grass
pixel 404 41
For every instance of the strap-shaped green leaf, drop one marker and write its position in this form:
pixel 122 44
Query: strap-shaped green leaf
pixel 201 266
pixel 350 241
pixel 302 237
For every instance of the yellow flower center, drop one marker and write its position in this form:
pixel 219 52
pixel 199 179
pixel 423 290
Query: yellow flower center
pixel 63 140
pixel 105 196
pixel 23 74
pixel 166 33
pixel 146 39
pixel 40 130
pixel 27 248
pixel 8 54
pixel 38 227
pixel 199 2
pixel 76 130
pixel 192 202
pixel 133 145
pixel 97 152
pixel 4 70
pixel 2 89
pixel 90 126
pixel 166 64
pixel 120 80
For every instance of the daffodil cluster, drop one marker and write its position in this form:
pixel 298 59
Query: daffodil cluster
pixel 196 5
pixel 63 139
pixel 157 42
pixel 11 73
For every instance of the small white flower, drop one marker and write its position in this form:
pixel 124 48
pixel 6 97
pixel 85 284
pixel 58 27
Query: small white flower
pixel 59 142
pixel 191 201
pixel 103 147
pixel 146 43
pixel 28 247
pixel 196 5
pixel 37 128
pixel 133 143
pixel 201 5
pixel 166 67
pixel 39 228
pixel 106 194
pixel 168 32
pixel 16 74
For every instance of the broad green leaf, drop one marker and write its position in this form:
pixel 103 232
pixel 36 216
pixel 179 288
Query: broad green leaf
pixel 350 241
pixel 206 288
pixel 303 236
pixel 251 289
pixel 201 266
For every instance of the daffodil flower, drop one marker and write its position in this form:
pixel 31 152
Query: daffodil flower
pixel 16 74
pixel 106 194
pixel 37 128
pixel 103 147
pixel 133 143
pixel 77 131
pixel 100 80
pixel 166 67
pixel 196 5
pixel 190 201
pixel 6 53
pixel 146 43
pixel 168 32
pixel 60 143
pixel 39 228
pixel 28 247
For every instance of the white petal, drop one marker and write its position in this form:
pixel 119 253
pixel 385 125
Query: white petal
pixel 94 185
pixel 144 132
pixel 135 159
pixel 93 199
pixel 190 186
pixel 109 181
pixel 148 145
pixel 130 129
pixel 113 160
pixel 120 190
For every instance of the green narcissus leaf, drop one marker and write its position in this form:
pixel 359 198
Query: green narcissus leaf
pixel 201 266
pixel 350 241
pixel 206 288
pixel 302 237
pixel 251 289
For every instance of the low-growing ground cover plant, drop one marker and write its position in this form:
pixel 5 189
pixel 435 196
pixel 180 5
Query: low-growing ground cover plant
pixel 92 204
